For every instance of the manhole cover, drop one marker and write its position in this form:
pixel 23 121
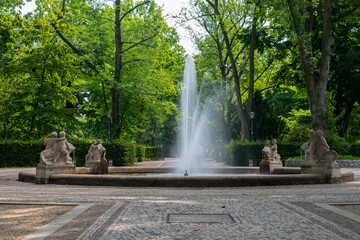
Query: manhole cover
pixel 200 218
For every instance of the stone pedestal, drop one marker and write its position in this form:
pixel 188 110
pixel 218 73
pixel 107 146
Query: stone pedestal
pixel 306 167
pixel 98 167
pixel 330 169
pixel 267 167
pixel 43 172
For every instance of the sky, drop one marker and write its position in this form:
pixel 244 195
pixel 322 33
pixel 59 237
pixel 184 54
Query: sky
pixel 171 8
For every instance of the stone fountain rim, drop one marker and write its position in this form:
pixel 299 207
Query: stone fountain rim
pixel 181 181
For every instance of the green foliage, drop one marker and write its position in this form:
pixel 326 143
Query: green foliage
pixel 266 115
pixel 122 153
pixel 140 153
pixel 239 153
pixel 338 144
pixel 154 153
pixel 47 87
pixel 217 152
pixel 298 125
pixel 355 149
pixel 20 154
pixel 344 84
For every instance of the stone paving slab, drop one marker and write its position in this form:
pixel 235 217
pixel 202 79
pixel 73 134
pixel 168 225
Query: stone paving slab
pixel 282 212
pixel 19 220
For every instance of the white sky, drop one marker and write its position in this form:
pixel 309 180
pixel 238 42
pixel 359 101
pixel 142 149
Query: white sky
pixel 171 8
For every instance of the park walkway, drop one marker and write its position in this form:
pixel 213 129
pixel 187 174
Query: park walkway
pixel 34 211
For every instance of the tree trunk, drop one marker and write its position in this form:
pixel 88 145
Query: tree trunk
pixel 344 121
pixel 316 86
pixel 118 65
pixel 252 62
pixel 224 101
pixel 242 116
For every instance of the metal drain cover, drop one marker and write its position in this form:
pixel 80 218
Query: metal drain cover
pixel 199 218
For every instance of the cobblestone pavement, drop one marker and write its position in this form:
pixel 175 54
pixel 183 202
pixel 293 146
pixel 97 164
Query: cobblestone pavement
pixel 283 212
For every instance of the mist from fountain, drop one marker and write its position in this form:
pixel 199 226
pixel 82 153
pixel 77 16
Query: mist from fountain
pixel 193 122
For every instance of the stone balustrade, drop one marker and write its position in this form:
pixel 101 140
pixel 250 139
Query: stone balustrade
pixel 342 163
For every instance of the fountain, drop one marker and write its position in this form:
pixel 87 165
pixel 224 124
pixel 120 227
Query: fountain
pixel 190 120
pixel 58 168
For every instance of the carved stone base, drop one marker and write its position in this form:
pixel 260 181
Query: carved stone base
pixel 331 169
pixel 91 164
pixel 43 172
pixel 306 169
pixel 98 167
pixel 267 167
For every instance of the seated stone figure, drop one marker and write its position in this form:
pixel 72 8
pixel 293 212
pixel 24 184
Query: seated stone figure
pixel 47 156
pixel 319 150
pixel 102 151
pixel 275 155
pixel 92 153
pixel 96 153
pixel 270 152
pixel 306 147
pixel 267 151
pixel 57 150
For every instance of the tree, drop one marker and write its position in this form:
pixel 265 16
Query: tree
pixel 61 71
pixel 138 29
pixel 239 41
pixel 38 84
pixel 344 83
pixel 314 42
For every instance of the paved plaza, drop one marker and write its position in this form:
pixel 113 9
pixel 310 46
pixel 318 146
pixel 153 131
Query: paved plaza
pixel 93 212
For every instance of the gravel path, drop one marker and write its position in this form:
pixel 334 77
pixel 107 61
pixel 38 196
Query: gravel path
pixel 282 212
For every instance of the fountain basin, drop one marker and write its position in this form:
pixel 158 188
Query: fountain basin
pixel 125 180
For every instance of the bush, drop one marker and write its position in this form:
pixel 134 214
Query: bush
pixel 20 154
pixel 218 153
pixel 154 153
pixel 287 150
pixel 239 153
pixel 355 149
pixel 338 144
pixel 298 126
pixel 27 154
pixel 140 153
pixel 122 153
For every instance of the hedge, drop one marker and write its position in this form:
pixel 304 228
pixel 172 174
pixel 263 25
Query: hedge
pixel 27 154
pixel 239 154
pixel 140 153
pixel 355 150
pixel 154 153
pixel 20 154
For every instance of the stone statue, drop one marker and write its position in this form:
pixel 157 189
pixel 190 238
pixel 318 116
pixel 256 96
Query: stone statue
pixel 96 154
pixel 267 151
pixel 306 147
pixel 57 150
pixel 319 150
pixel 271 159
pixel 92 152
pixel 319 159
pixel 275 155
pixel 47 156
pixel 270 152
pixel 102 151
